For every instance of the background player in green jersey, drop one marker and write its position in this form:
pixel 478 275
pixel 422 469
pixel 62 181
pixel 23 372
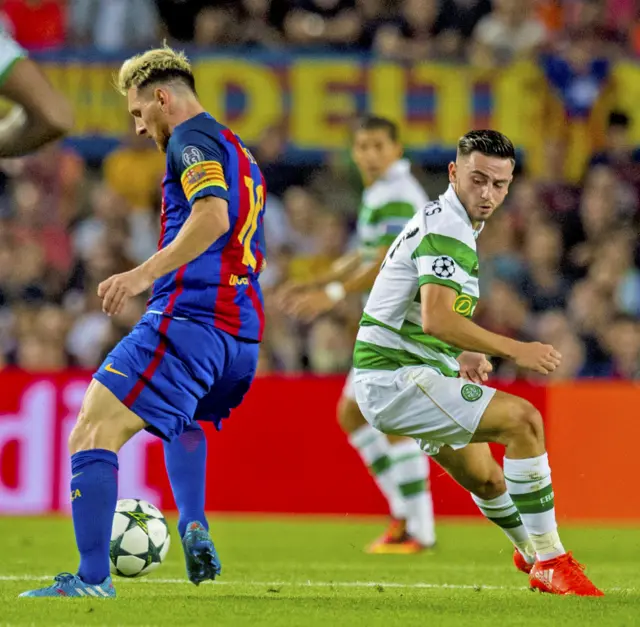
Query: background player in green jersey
pixel 391 197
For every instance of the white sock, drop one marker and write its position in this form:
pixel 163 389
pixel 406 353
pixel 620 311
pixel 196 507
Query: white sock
pixel 529 484
pixel 411 473
pixel 374 449
pixel 502 512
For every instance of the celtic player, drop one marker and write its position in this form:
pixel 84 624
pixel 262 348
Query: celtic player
pixel 391 197
pixel 409 353
pixel 40 114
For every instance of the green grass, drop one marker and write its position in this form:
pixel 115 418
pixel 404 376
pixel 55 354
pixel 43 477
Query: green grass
pixel 307 572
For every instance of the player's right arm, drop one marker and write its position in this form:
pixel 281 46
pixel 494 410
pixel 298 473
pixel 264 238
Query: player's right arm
pixel 441 321
pixel 40 115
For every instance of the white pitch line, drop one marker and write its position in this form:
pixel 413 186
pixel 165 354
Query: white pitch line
pixel 297 584
pixel 309 584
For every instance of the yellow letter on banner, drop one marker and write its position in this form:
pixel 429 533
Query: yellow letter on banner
pixel 313 104
pixel 260 86
pixel 388 92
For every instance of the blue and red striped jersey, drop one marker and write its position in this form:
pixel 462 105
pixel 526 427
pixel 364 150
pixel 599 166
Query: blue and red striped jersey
pixel 220 287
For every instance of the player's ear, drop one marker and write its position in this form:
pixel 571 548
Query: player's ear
pixel 160 96
pixel 452 172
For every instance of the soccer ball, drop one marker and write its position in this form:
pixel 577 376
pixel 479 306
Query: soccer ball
pixel 444 267
pixel 139 538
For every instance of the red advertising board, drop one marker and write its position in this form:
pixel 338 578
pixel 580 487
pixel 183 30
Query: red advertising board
pixel 281 451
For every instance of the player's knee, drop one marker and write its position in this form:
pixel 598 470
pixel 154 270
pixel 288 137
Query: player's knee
pixel 490 486
pixel 525 421
pixel 350 417
pixel 92 430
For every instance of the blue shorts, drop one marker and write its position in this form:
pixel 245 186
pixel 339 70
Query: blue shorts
pixel 172 371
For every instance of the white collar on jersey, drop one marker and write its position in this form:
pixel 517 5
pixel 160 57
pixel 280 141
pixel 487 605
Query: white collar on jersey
pixel 401 167
pixel 452 198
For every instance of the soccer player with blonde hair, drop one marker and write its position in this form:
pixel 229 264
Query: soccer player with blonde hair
pixel 193 355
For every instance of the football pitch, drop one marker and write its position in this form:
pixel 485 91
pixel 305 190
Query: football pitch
pixel 307 572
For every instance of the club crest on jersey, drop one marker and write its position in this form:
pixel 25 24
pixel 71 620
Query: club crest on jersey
pixel 195 174
pixel 471 392
pixel 192 155
pixel 444 267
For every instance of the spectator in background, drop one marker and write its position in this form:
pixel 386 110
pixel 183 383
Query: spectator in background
pixel 280 172
pixel 464 16
pixel 217 26
pixel 416 34
pixel 178 17
pixel 323 22
pixel 36 24
pixel 260 21
pixel 112 25
pixel 585 228
pixel 622 340
pixel 510 33
pixel 134 170
pixel 618 149
pixel 589 311
pixel 544 286
pixel 579 76
pixel 614 273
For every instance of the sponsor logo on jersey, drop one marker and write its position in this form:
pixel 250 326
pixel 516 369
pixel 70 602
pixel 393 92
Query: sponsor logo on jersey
pixel 109 368
pixel 463 305
pixel 234 279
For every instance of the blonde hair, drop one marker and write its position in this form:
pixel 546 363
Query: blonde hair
pixel 154 65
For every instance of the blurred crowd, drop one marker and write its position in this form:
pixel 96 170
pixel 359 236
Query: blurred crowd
pixel 482 30
pixel 560 262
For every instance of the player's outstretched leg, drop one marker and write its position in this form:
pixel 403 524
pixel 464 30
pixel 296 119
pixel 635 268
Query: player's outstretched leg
pixel 475 469
pixel 103 426
pixel 185 460
pixel 518 425
pixel 400 473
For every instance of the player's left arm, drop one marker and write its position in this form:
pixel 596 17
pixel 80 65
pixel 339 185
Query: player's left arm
pixel 199 162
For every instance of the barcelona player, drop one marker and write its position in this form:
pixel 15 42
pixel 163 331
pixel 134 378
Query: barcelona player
pixel 193 355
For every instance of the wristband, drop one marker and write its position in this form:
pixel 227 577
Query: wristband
pixel 335 291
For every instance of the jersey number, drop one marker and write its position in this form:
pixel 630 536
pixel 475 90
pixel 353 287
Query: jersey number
pixel 245 237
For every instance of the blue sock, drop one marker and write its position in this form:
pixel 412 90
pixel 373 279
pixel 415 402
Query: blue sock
pixel 186 461
pixel 94 494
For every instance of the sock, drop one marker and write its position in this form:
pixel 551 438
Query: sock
pixel 529 484
pixel 186 460
pixel 374 448
pixel 502 512
pixel 94 494
pixel 410 468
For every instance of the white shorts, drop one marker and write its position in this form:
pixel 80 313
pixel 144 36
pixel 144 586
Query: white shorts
pixel 420 403
pixel 348 391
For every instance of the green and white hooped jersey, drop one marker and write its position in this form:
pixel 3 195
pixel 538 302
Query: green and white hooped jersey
pixel 438 245
pixel 387 206
pixel 10 52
